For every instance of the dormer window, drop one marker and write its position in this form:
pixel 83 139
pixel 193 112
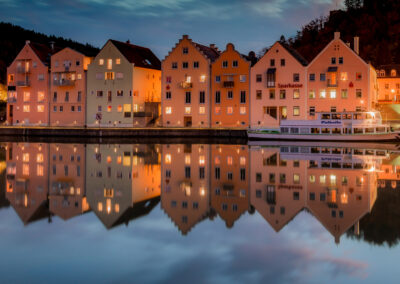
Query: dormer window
pixel 185 50
pixel 382 73
pixel 393 73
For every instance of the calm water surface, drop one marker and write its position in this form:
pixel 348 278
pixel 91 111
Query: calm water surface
pixel 199 213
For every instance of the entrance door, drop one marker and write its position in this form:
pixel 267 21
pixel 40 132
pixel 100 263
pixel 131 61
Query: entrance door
pixel 187 120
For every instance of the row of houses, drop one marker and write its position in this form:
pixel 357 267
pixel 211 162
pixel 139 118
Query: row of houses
pixel 126 85
pixel 193 183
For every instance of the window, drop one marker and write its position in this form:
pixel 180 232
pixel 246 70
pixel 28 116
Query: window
pixel 174 65
pixel 217 97
pixel 99 108
pixel 185 65
pixel 242 110
pixel 118 61
pixel 229 110
pixel 26 108
pixel 258 78
pixel 296 111
pixel 225 64
pixel 282 94
pixel 188 110
pixel 296 94
pixel 332 94
pixel 101 61
pixel 312 77
pixel 79 108
pixel 66 97
pixel 217 110
pixel 311 94
pixel 79 98
pixel 185 50
pixel 322 77
pixel 333 60
pixel 217 173
pixel 258 95
pixel 40 108
pixel 340 60
pixel 202 110
pixel 109 75
pixel 188 98
pixel 344 94
pixel 27 96
pixel 99 93
pixel 235 63
pixel 271 111
pixel 40 96
pixel 393 73
pixel 322 94
pixel 40 77
pixel 217 79
pixel 61 108
pixel 312 111
pixel 202 97
pixel 358 93
pixel 168 110
pixel 242 78
pixel 343 76
pixel 168 95
pixel 72 108
pixel 243 97
pixel 230 94
pixel 272 62
pixel 333 109
pixel 196 64
pixel 283 62
pixel 272 94
pixel 202 78
pixel 271 77
pixel 296 77
pixel 358 76
pixel 120 93
pixel 109 63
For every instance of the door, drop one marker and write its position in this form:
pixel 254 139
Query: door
pixel 187 120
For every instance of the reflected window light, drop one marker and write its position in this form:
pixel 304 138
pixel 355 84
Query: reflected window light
pixel 78 190
pixel 187 190
pixel 108 205
pixel 217 160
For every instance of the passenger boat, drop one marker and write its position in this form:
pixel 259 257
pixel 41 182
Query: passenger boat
pixel 331 126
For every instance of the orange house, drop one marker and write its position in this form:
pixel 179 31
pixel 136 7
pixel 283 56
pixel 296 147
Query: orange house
pixel 28 86
pixel 230 87
pixel 68 88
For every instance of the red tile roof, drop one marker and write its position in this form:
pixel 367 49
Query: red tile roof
pixel 44 52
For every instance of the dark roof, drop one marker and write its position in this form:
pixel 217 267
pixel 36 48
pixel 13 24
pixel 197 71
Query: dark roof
pixel 388 69
pixel 44 52
pixel 138 55
pixel 295 54
pixel 210 52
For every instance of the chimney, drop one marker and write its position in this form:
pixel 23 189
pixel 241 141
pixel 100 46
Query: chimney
pixel 52 45
pixel 27 42
pixel 185 36
pixel 356 44
pixel 337 35
pixel 128 41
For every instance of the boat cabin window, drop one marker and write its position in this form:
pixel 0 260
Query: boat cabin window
pixel 358 152
pixel 346 116
pixel 314 130
pixel 336 151
pixel 326 116
pixel 357 116
pixel 357 166
pixel 369 130
pixel 346 165
pixel 325 165
pixel 358 131
pixel 336 131
pixel 315 150
pixel 380 153
pixel 369 116
pixel 336 165
pixel 284 130
pixel 313 164
pixel 325 150
pixel 294 130
pixel 380 129
pixel 304 130
pixel 369 152
pixel 325 130
pixel 335 116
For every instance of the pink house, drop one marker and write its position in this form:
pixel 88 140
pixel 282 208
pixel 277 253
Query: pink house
pixel 28 86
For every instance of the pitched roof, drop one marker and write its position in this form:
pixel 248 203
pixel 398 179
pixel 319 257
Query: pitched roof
pixel 210 52
pixel 295 54
pixel 138 55
pixel 44 52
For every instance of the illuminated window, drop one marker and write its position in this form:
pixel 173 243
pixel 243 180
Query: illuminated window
pixel 332 94
pixel 79 76
pixel 108 108
pixel 40 96
pixel 322 94
pixel 168 110
pixel 229 110
pixel 188 110
pixel 100 206
pixel 109 63
pixel 242 110
pixel 109 192
pixel 119 108
pixel 119 160
pixel 311 94
pixel 39 158
pixel 101 62
pixel 27 96
pixel 187 159
pixel 109 159
pixel 312 178
pixel 109 76
pixel 322 179
pixel 118 61
pixel 217 160
pixel 126 161
pixel 296 111
pixel 344 198
pixel 343 76
pixel 40 108
pixel 168 158
pixel 116 208
pixel 135 108
pixel 217 110
pixel 202 110
pixel 296 94
pixel 333 179
pixel 39 170
pixel 127 107
pixel 202 160
pixel 202 78
pixel 25 157
pixel 242 161
pixel 344 94
pixel 229 160
pixel 358 76
pixel 25 169
pixel 296 178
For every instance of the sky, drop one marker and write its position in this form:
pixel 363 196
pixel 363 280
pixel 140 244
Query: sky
pixel 159 24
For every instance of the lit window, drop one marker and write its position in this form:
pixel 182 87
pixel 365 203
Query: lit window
pixel 242 161
pixel 79 76
pixel 109 160
pixel 135 108
pixel 322 179
pixel 296 94
pixel 296 111
pixel 109 63
pixel 39 170
pixel 332 94
pixel 168 159
pixel 26 108
pixel 40 108
pixel 25 157
pixel 109 76
pixel 119 160
pixel 101 62
pixel 39 158
pixel 229 160
pixel 202 110
pixel 202 160
pixel 312 178
pixel 108 108
pixel 344 198
pixel 322 94
pixel 118 61
pixel 217 110
pixel 311 94
pixel 168 110
pixel 343 76
pixel 40 96
pixel 333 179
pixel 27 96
pixel 117 205
pixel 127 107
pixel 202 78
pixel 25 169
pixel 188 110
pixel 229 110
pixel 344 94
pixel 296 178
pixel 242 110
pixel 217 160
pixel 187 159
pixel 119 108
pixel 100 206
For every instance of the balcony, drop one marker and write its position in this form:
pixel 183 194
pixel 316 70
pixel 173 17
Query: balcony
pixel 228 84
pixel 186 85
pixel 11 100
pixel 24 83
pixel 23 70
pixel 332 83
pixel 63 82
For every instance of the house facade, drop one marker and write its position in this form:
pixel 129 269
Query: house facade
pixel 28 86
pixel 123 87
pixel 388 84
pixel 186 84
pixel 278 87
pixel 68 88
pixel 230 87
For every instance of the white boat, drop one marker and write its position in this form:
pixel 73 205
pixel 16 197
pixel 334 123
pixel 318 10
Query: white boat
pixel 331 126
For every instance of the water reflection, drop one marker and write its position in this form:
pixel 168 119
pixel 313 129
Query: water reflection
pixel 198 182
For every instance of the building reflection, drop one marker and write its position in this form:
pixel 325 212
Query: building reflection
pixel 123 181
pixel 196 182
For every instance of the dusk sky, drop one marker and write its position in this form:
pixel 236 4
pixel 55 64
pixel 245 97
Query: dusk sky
pixel 158 24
